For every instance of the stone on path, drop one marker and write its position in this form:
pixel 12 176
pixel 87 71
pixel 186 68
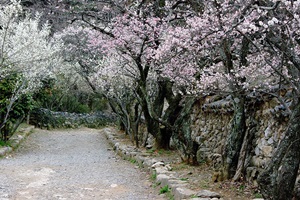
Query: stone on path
pixel 182 193
pixel 208 194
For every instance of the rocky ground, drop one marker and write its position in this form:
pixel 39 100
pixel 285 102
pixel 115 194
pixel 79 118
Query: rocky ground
pixel 71 164
pixel 185 180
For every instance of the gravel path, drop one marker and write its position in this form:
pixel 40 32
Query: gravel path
pixel 71 164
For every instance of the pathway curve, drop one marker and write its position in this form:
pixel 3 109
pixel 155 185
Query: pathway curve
pixel 70 165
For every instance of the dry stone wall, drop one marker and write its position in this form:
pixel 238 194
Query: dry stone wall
pixel 266 123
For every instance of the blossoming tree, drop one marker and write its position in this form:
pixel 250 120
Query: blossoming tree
pixel 222 47
pixel 132 40
pixel 239 47
pixel 26 52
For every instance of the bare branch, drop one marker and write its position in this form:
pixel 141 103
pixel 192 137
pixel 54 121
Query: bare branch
pixel 101 30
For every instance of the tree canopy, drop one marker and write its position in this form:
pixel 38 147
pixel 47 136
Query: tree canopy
pixel 153 59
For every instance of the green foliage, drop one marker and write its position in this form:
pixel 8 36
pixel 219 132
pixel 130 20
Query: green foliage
pixel 164 189
pixel 153 176
pixel 151 151
pixel 164 152
pixel 242 187
pixel 258 195
pixel 184 179
pixel 15 108
pixel 132 160
pixel 55 97
pixel 45 118
pixel 4 143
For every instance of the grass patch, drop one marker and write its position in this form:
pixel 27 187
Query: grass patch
pixel 184 179
pixel 204 184
pixel 5 143
pixel 132 160
pixel 159 151
pixel 164 189
pixel 151 151
pixel 153 176
pixel 164 152
pixel 167 191
pixel 258 195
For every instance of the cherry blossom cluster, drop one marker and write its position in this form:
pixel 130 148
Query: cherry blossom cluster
pixel 26 47
pixel 193 54
pixel 225 47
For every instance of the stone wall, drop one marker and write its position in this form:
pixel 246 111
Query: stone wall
pixel 266 123
pixel 44 118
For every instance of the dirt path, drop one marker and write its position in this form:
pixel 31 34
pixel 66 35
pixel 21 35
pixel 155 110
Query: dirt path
pixel 70 164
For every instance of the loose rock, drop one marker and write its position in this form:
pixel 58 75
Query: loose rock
pixel 208 194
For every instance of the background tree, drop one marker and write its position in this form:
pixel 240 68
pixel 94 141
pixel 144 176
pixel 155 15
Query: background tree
pixel 135 40
pixel 27 53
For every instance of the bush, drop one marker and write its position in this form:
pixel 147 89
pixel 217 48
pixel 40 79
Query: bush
pixel 60 99
pixel 12 111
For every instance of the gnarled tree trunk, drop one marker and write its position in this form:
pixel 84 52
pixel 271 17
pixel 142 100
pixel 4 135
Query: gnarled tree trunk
pixel 182 132
pixel 153 111
pixel 235 138
pixel 277 181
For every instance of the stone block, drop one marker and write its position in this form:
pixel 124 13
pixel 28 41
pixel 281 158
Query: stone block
pixel 268 132
pixel 257 151
pixel 163 179
pixel 183 193
pixel 270 141
pixel 208 194
pixel 140 159
pixel 158 164
pixel 257 161
pixel 267 151
pixel 161 170
pixel 4 150
pixel 149 162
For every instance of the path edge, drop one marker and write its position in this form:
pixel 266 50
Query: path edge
pixel 16 139
pixel 162 173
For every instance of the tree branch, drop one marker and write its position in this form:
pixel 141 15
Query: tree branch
pixel 101 30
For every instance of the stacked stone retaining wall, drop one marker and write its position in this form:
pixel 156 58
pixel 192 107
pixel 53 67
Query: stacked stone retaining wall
pixel 211 124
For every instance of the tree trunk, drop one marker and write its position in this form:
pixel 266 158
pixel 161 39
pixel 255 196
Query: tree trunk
pixel 155 129
pixel 245 150
pixel 135 124
pixel 235 138
pixel 277 181
pixel 153 111
pixel 183 133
